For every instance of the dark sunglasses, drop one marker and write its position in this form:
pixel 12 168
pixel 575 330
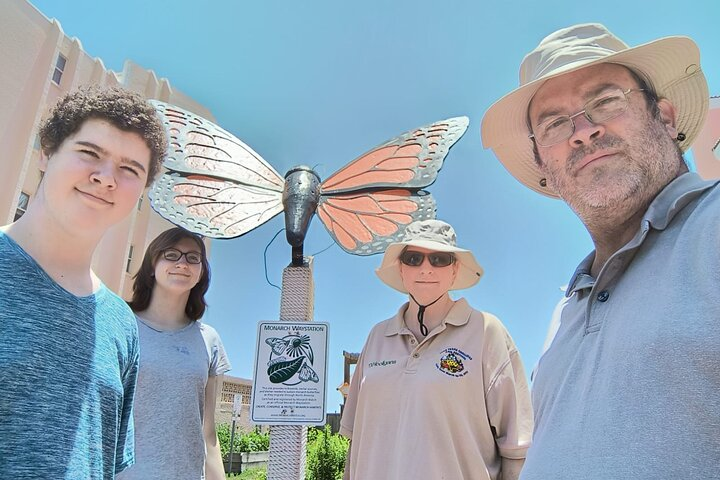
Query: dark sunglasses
pixel 174 255
pixel 412 258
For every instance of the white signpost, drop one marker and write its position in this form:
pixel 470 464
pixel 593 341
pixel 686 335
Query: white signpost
pixel 290 373
pixel 237 408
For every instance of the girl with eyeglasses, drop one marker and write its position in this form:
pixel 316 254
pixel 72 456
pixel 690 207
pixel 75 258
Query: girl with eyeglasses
pixel 182 361
pixel 439 390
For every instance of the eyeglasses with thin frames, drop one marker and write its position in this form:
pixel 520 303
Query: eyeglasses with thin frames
pixel 174 255
pixel 598 111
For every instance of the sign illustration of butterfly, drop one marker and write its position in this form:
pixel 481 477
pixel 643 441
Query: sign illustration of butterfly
pixel 278 345
pixel 307 374
pixel 217 186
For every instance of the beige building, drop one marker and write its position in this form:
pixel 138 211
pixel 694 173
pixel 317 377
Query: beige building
pixel 224 408
pixel 40 63
pixel 706 148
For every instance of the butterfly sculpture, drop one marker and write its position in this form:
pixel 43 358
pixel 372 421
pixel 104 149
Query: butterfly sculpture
pixel 217 186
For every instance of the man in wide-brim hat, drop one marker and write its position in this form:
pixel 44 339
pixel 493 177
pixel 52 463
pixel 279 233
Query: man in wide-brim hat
pixel 439 390
pixel 629 386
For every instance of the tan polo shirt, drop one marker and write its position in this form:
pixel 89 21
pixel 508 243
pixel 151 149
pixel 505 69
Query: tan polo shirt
pixel 445 408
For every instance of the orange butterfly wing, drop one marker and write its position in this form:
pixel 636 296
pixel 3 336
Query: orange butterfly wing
pixel 365 223
pixel 366 204
pixel 213 184
pixel 411 160
pixel 213 207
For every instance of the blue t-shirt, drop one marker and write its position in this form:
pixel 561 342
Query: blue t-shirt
pixel 68 367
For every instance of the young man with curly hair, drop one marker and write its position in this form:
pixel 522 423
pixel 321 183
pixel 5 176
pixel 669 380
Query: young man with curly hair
pixel 69 346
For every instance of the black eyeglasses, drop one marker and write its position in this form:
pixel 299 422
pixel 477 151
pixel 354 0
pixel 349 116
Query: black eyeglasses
pixel 412 258
pixel 174 255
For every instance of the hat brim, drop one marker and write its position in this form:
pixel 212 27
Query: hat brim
pixel 671 64
pixel 469 270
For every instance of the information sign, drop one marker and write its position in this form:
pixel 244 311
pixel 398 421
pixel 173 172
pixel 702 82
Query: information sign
pixel 290 373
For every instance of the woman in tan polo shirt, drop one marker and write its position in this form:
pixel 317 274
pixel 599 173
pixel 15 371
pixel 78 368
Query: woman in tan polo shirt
pixel 439 391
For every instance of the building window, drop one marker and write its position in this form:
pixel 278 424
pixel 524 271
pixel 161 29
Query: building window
pixel 59 69
pixel 130 256
pixel 22 205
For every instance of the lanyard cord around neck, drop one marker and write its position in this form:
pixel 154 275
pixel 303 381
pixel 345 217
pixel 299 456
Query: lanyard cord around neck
pixel 421 313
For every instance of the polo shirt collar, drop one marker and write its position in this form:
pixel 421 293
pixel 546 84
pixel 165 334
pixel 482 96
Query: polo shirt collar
pixel 673 198
pixel 581 279
pixel 458 315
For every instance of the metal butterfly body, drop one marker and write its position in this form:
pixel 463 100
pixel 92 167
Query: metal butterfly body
pixel 217 186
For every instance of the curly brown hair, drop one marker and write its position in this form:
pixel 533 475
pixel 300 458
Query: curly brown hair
pixel 126 110
pixel 145 277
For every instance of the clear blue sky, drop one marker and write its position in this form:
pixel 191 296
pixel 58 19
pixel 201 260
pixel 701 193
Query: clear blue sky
pixel 321 82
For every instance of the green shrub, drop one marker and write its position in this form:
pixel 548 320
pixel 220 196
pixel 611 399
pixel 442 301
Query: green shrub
pixel 223 433
pixel 325 454
pixel 253 441
pixel 252 474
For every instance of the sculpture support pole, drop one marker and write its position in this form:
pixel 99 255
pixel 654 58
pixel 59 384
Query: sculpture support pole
pixel 288 442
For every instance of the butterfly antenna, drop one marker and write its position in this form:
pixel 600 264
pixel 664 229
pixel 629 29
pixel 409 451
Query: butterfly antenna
pixel 315 167
pixel 265 259
pixel 324 249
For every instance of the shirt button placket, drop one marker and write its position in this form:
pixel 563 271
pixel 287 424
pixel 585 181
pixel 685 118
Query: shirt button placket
pixel 596 311
pixel 411 365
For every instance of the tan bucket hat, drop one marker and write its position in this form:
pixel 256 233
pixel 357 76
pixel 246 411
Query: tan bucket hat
pixel 671 65
pixel 434 235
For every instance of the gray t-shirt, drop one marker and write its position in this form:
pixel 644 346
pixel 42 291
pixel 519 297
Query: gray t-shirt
pixel 169 401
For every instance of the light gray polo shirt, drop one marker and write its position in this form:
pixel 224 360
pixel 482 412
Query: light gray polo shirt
pixel 630 386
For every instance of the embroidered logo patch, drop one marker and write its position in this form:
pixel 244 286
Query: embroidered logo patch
pixel 452 362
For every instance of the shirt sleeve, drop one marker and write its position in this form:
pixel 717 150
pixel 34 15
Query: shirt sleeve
pixel 125 448
pixel 348 416
pixel 219 362
pixel 507 393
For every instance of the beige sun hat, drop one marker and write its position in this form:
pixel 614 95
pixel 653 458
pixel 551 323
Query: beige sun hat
pixel 434 235
pixel 671 65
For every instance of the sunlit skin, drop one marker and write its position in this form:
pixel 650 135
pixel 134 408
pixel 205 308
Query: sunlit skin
pixel 95 177
pixel 607 173
pixel 91 183
pixel 426 284
pixel 173 282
